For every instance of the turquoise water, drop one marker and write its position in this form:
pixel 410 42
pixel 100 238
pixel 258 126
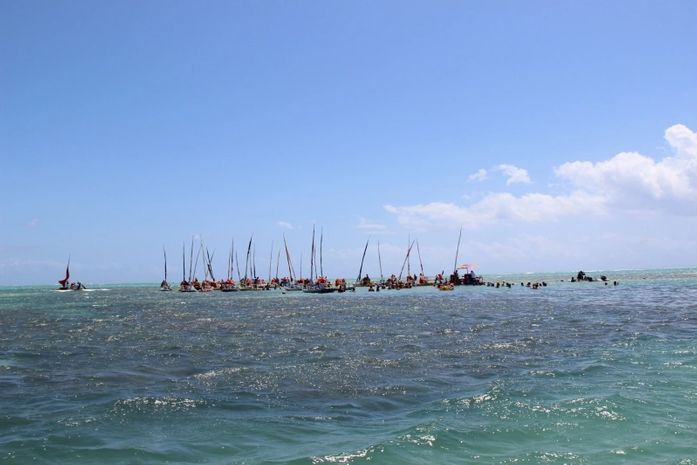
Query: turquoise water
pixel 572 373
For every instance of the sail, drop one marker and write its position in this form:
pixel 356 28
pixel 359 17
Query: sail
pixel 64 281
pixel 165 253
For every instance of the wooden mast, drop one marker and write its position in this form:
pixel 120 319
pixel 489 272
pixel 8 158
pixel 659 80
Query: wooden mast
pixel 457 251
pixel 382 277
pixel 421 264
pixel 360 270
pixel 405 260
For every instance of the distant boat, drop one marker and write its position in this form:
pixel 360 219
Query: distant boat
pixel 247 283
pixel 229 284
pixel 65 285
pixel 320 284
pixel 64 282
pixel 360 280
pixel 185 285
pixel 164 285
pixel 291 285
pixel 319 288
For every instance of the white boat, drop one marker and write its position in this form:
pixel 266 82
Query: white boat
pixel 186 286
pixel 319 288
pixel 292 288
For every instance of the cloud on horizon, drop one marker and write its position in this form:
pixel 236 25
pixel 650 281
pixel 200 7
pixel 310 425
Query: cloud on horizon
pixel 371 226
pixel 515 174
pixel 628 181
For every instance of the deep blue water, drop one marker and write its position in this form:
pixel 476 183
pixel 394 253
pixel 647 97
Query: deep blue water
pixel 572 373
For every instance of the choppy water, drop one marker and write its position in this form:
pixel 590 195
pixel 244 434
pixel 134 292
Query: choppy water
pixel 573 373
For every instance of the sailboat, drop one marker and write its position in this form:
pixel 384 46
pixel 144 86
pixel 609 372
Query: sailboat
pixel 455 277
pixel 360 280
pixel 208 283
pixel 423 279
pixel 409 280
pixel 185 285
pixel 65 285
pixel 246 283
pixel 164 285
pixel 382 277
pixel 229 284
pixel 292 285
pixel 320 285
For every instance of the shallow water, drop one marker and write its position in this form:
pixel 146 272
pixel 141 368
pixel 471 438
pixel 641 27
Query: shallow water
pixel 575 373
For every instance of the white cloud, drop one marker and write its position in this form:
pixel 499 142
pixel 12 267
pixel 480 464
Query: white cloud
pixel 515 175
pixel 499 207
pixel 629 181
pixel 683 140
pixel 480 175
pixel 285 224
pixel 371 226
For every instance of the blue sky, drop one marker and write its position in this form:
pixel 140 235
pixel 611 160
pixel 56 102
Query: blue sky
pixel 560 135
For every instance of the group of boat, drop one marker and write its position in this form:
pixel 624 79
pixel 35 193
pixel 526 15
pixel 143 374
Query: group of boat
pixel 316 283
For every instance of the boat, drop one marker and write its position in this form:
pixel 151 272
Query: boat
pixel 422 279
pixel 64 282
pixel 363 281
pixel 319 284
pixel 209 283
pixel 164 285
pixel 229 284
pixel 446 287
pixel 247 283
pixel 291 284
pixel 319 288
pixel 396 282
pixel 65 285
pixel 185 285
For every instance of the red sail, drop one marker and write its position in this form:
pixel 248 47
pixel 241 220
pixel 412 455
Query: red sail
pixel 64 281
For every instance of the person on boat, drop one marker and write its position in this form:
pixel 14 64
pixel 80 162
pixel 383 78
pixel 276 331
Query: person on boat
pixel 439 277
pixel 455 278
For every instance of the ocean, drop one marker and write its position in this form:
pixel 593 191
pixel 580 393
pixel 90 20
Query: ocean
pixel 569 373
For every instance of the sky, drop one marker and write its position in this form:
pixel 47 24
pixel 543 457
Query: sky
pixel 559 135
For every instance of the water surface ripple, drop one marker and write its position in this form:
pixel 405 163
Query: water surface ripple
pixel 574 373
